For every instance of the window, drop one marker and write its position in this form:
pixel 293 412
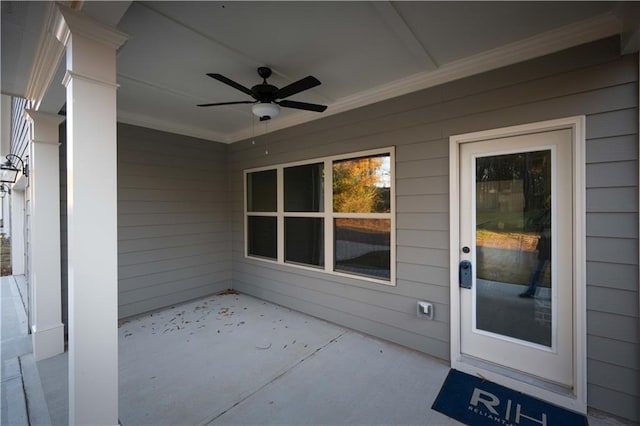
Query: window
pixel 262 228
pixel 304 194
pixel 333 214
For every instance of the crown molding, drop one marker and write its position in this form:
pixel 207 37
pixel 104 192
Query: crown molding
pixel 60 22
pixel 581 32
pixel 71 21
pixel 46 59
pixel 165 126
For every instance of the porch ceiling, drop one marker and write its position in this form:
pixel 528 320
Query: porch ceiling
pixel 363 52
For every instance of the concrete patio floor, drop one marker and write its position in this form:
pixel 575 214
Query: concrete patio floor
pixel 235 359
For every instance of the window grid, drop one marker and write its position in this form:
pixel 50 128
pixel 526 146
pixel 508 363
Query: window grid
pixel 328 216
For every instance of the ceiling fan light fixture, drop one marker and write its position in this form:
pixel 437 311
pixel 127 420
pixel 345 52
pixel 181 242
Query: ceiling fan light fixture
pixel 265 109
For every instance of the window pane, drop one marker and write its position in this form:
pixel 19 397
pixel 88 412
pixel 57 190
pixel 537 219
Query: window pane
pixel 304 240
pixel 363 246
pixel 304 188
pixel 261 191
pixel 262 236
pixel 362 185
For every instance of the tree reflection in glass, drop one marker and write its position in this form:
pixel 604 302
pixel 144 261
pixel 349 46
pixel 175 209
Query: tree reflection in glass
pixel 362 185
pixel 513 245
pixel 361 189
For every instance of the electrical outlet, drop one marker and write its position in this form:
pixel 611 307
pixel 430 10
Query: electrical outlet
pixel 425 310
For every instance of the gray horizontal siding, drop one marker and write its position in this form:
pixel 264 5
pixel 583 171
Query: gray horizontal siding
pixel 20 128
pixel 616 352
pixel 589 80
pixel 618 225
pixel 173 236
pixel 612 275
pixel 612 256
pixel 616 148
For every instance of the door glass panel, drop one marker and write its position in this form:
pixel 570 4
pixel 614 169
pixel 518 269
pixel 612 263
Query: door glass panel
pixel 513 246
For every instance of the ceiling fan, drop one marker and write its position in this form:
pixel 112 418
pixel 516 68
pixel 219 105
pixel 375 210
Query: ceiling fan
pixel 267 97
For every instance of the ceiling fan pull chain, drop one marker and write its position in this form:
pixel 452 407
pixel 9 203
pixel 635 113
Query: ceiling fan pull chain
pixel 266 141
pixel 253 129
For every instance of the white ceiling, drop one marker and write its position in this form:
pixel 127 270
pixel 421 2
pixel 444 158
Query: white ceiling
pixel 362 52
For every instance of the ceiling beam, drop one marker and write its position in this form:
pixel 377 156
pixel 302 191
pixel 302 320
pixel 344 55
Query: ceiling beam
pixel 555 40
pixel 629 15
pixel 246 58
pixel 389 14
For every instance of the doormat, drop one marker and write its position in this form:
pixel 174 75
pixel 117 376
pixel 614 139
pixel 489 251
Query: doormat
pixel 477 402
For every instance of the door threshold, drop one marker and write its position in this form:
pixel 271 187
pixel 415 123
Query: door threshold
pixel 553 393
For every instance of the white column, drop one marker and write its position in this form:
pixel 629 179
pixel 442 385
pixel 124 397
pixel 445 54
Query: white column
pixel 17 228
pixel 47 330
pixel 92 217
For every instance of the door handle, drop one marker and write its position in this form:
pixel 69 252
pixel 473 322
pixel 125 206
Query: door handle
pixel 465 276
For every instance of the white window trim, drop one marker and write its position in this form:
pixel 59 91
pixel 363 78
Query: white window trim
pixel 328 215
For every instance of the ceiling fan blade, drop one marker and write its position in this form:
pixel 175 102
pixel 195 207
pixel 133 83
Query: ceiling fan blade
pixel 227 103
pixel 228 81
pixel 302 105
pixel 297 87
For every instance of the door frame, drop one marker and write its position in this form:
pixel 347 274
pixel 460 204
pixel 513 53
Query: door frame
pixel 575 398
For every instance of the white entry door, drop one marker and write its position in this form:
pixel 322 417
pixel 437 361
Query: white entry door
pixel 516 249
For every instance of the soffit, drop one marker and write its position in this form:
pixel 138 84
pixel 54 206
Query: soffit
pixel 362 52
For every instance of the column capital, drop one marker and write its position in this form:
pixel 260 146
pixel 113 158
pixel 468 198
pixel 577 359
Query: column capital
pixel 72 22
pixel 39 117
pixel 70 75
pixel 44 126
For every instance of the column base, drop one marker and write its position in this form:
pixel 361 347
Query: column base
pixel 47 342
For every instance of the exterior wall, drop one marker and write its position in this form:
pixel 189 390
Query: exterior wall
pixel 173 233
pixel 5 128
pixel 20 132
pixel 173 236
pixel 592 80
pixel 20 128
pixel 5 148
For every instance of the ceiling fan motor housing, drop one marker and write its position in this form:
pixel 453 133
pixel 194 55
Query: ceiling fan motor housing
pixel 264 92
